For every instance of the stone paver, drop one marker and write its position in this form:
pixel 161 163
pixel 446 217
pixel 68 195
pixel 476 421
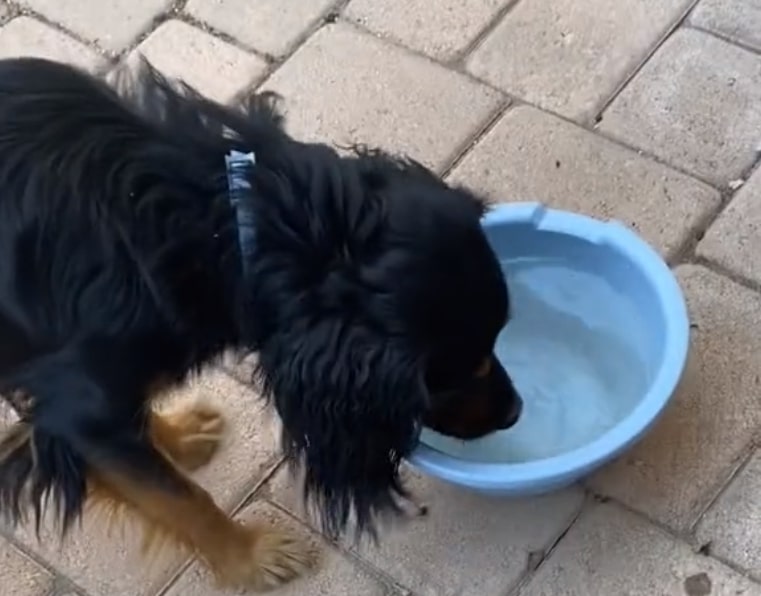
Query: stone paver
pixel 214 67
pixel 734 240
pixel 442 32
pixel 533 156
pixel 696 104
pixel 337 576
pixel 732 525
pixel 381 96
pixel 673 474
pixel 19 575
pixel 24 36
pixel 610 551
pixel 112 24
pixel 109 564
pixel 270 26
pixel 446 552
pixel 549 53
pixel 739 20
pixel 388 73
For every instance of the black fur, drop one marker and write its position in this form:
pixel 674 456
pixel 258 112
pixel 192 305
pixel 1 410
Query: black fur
pixel 373 297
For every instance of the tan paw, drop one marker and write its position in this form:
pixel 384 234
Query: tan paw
pixel 198 431
pixel 267 559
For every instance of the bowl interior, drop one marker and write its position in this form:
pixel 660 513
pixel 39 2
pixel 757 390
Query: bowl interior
pixel 584 343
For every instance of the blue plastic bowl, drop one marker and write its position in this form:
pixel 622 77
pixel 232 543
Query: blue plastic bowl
pixel 627 263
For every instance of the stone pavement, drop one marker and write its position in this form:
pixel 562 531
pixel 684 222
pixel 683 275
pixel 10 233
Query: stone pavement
pixel 646 111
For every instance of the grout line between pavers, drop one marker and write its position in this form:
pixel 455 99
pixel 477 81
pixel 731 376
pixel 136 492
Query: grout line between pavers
pixel 723 485
pixel 480 132
pixel 688 251
pixel 460 57
pixel 725 38
pixel 329 15
pixel 685 539
pixel 348 553
pixel 533 567
pixel 18 10
pixel 174 9
pixel 668 32
pixel 422 55
pixel 719 269
pixel 64 587
pixel 638 150
pixel 201 25
pixel 58 577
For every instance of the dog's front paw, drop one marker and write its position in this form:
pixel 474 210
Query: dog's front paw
pixel 265 559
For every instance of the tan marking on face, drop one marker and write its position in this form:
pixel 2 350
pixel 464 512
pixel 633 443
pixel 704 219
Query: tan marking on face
pixel 485 368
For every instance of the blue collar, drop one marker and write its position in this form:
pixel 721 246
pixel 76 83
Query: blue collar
pixel 239 166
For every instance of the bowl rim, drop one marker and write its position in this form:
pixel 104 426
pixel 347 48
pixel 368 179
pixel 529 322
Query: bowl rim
pixel 577 462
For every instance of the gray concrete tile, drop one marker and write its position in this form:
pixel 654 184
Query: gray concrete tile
pixel 568 56
pixel 383 96
pixel 734 240
pixel 739 20
pixel 696 104
pixel 112 24
pixel 25 36
pixel 610 551
pixel 732 527
pixel 270 26
pixel 533 156
pixel 447 552
pixel 216 68
pixel 442 30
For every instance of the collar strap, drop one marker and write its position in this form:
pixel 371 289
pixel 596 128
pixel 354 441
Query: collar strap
pixel 239 166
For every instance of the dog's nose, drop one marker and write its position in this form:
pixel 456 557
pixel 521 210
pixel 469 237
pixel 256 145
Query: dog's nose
pixel 513 415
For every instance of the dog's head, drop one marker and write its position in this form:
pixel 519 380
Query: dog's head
pixel 381 315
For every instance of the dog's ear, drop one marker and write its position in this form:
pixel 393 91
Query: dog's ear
pixel 351 404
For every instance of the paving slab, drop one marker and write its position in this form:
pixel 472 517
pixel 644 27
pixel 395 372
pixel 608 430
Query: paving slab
pixel 443 32
pixel 270 26
pixel 739 20
pixel 568 56
pixel 611 551
pixel 732 527
pixel 734 240
pixel 20 575
pixel 696 104
pixel 112 24
pixel 530 155
pixel 106 561
pixel 216 68
pixel 676 470
pixel 467 545
pixel 383 96
pixel 337 574
pixel 25 36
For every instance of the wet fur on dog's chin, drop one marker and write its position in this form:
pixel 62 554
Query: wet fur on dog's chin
pixel 343 301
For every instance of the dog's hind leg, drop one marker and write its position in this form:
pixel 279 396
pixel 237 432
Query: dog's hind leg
pixel 86 412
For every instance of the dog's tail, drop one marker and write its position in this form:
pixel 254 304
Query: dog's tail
pixel 38 470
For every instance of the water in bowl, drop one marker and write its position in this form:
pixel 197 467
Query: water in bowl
pixel 574 353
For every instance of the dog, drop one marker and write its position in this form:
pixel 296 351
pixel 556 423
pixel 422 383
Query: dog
pixel 146 230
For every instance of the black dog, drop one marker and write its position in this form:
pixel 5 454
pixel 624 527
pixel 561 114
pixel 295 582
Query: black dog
pixel 138 241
